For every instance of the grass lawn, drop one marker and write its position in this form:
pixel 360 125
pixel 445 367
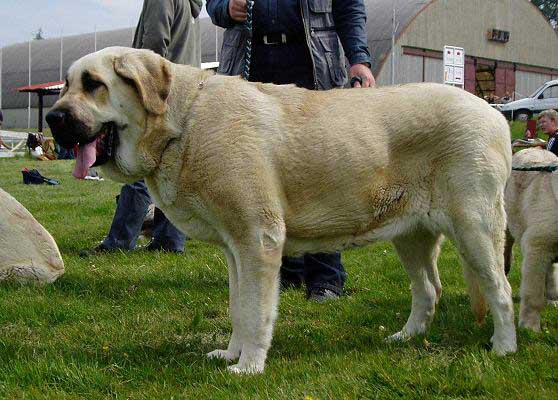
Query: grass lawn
pixel 137 325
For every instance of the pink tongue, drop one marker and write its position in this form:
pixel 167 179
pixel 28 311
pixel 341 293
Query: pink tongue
pixel 86 156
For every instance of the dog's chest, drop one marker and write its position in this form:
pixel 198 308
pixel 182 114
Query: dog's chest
pixel 187 212
pixel 193 223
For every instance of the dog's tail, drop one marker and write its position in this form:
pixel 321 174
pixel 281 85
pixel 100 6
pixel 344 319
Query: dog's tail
pixel 478 302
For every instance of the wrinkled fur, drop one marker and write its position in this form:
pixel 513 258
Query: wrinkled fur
pixel 265 171
pixel 532 207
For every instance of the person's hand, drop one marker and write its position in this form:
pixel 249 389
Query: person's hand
pixel 363 72
pixel 237 10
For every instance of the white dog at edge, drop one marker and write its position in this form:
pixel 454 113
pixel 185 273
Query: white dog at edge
pixel 531 198
pixel 265 171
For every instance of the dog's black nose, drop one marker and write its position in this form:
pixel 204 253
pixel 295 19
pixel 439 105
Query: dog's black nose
pixel 56 118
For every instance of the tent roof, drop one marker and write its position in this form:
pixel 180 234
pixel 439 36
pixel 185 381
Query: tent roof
pixel 42 87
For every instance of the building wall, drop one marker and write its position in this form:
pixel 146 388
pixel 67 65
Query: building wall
pixel 465 24
pixel 16 118
pixel 407 69
pixel 527 82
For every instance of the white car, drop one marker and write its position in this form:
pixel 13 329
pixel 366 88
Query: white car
pixel 543 98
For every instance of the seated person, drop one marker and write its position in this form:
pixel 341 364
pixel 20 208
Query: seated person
pixel 548 121
pixel 41 148
pixel 3 145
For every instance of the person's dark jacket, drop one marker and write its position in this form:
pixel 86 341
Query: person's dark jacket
pixel 553 143
pixel 325 21
pixel 167 27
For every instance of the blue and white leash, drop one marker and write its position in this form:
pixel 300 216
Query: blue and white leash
pixel 249 29
pixel 538 168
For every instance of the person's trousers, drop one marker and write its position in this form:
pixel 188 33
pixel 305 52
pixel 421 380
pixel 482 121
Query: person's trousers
pixel 283 64
pixel 131 209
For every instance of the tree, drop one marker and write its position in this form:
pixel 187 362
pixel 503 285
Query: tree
pixel 39 35
pixel 550 9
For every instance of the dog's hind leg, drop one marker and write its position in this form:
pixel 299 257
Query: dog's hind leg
pixel 534 273
pixel 479 236
pixel 418 251
pixel 552 285
pixel 235 345
pixel 432 268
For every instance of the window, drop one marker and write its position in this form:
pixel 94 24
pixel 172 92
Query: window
pixel 550 93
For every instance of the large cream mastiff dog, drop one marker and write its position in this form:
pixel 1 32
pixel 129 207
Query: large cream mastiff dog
pixel 531 203
pixel 265 171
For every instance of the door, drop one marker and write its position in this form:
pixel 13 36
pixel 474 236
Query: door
pixel 548 99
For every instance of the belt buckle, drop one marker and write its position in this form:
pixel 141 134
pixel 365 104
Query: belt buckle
pixel 283 39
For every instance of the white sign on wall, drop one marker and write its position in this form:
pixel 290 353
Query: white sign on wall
pixel 454 65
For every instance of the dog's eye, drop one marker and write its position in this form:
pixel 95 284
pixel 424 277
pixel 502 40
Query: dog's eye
pixel 89 83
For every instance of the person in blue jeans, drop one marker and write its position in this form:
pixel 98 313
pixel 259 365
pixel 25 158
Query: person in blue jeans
pixel 302 42
pixel 132 206
pixel 166 27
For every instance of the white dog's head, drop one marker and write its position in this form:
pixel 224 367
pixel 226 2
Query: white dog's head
pixel 109 101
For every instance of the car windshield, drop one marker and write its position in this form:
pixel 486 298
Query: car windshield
pixel 538 89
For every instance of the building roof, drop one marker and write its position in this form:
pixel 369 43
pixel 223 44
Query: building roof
pixel 379 24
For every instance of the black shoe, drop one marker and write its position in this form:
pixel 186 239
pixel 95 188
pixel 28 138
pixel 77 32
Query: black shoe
pixel 289 283
pixel 321 295
pixel 101 248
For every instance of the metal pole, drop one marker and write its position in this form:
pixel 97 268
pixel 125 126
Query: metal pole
pixel 393 46
pixel 1 78
pixel 29 93
pixel 61 55
pixel 95 38
pixel 40 126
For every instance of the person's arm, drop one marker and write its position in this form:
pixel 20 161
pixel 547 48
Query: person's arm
pixel 226 13
pixel 158 18
pixel 350 24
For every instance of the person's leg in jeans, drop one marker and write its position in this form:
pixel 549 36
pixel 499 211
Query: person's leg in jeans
pixel 131 210
pixel 292 272
pixel 324 271
pixel 165 235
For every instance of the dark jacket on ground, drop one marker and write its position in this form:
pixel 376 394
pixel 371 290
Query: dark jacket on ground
pixel 326 22
pixel 167 27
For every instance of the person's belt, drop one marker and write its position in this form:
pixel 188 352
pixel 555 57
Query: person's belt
pixel 279 38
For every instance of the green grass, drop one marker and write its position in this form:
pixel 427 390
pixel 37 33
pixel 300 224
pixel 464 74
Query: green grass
pixel 518 130
pixel 137 325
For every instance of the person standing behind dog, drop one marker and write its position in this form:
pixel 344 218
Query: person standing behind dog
pixel 297 41
pixel 168 28
pixel 548 120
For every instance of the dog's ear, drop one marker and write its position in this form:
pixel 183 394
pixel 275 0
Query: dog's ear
pixel 150 74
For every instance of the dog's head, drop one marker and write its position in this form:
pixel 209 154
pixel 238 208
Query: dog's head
pixel 105 107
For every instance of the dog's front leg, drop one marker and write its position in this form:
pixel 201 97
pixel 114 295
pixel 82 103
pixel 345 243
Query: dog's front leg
pixel 235 345
pixel 258 285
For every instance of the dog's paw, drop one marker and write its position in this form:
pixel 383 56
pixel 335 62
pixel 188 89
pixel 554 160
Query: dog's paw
pixel 249 369
pixel 400 336
pixel 222 355
pixel 532 324
pixel 552 303
pixel 503 347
